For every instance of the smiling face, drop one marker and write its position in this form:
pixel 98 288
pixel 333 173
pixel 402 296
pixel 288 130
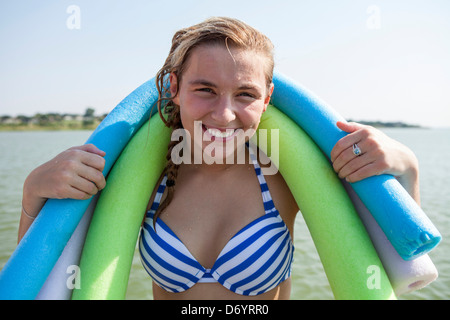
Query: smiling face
pixel 222 90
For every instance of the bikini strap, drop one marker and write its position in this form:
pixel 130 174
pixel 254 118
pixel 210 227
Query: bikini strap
pixel 267 198
pixel 158 196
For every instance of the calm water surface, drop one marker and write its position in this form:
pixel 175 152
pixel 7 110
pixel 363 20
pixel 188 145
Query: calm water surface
pixel 23 151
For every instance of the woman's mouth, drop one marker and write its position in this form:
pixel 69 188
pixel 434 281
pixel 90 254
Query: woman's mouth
pixel 222 134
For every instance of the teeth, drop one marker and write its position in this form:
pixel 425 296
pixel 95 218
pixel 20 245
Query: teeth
pixel 220 134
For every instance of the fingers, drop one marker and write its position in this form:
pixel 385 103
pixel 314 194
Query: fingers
pixel 347 161
pixel 91 149
pixel 357 167
pixel 361 173
pixel 349 127
pixel 82 188
pixel 93 160
pixel 94 177
pixel 75 173
pixel 75 180
pixel 87 168
pixel 72 192
pixel 357 132
pixel 88 154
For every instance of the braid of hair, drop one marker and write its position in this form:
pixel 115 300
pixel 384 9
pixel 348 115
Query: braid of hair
pixel 171 169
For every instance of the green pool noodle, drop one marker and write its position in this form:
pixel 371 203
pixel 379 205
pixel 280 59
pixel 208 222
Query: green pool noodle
pixel 339 236
pixel 349 259
pixel 111 240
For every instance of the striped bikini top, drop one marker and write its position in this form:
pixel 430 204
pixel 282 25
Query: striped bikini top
pixel 255 260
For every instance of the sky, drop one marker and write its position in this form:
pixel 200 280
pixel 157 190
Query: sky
pixel 386 60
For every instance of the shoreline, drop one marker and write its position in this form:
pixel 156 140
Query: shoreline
pixel 80 126
pixel 43 129
pixel 385 124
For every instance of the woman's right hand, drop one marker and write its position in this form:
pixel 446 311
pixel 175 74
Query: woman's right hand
pixel 75 173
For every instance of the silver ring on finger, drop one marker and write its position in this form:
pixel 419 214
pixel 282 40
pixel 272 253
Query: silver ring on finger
pixel 356 150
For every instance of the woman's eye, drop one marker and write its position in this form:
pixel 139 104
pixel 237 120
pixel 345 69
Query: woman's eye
pixel 207 90
pixel 246 94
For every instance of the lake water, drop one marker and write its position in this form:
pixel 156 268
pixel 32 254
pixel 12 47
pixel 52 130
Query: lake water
pixel 23 151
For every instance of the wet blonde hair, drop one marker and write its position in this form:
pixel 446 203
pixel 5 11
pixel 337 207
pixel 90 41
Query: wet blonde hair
pixel 214 31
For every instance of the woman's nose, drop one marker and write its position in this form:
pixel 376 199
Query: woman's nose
pixel 224 111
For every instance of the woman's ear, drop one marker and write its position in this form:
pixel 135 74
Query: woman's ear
pixel 269 95
pixel 174 88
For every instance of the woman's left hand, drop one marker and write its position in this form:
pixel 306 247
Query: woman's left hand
pixel 379 155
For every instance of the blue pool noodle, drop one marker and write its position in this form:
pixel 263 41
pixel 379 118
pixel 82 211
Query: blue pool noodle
pixel 403 221
pixel 406 226
pixel 32 261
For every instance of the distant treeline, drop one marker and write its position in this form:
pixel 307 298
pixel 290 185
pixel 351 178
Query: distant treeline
pixel 382 124
pixel 88 121
pixel 52 121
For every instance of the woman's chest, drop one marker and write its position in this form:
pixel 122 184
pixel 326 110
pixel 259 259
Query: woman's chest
pixel 205 216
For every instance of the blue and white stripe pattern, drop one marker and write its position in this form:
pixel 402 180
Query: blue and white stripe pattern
pixel 257 259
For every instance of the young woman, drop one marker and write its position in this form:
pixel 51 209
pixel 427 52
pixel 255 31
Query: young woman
pixel 218 230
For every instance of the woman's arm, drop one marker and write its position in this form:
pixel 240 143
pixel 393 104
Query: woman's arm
pixel 379 155
pixel 75 173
